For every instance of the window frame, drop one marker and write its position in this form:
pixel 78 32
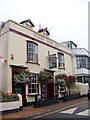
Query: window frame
pixel 62 61
pixel 31 84
pixel 82 62
pixel 33 53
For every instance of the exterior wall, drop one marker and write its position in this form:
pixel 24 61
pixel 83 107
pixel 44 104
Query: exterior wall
pixel 81 71
pixel 65 44
pixel 20 55
pixel 81 88
pixel 4 53
pixel 80 51
pixel 74 88
pixel 15 43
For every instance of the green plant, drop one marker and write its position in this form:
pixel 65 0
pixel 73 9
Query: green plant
pixel 22 77
pixel 43 75
pixel 69 80
pixel 60 78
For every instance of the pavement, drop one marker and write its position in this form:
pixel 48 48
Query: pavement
pixel 31 111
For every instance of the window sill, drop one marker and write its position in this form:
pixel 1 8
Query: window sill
pixel 32 94
pixel 33 63
pixel 62 68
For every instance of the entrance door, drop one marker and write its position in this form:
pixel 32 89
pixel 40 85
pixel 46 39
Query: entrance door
pixel 18 89
pixel 21 88
pixel 50 90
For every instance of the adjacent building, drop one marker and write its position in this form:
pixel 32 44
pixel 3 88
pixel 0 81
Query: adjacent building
pixel 81 63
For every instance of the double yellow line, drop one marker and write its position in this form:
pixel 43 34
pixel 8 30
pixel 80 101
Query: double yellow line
pixel 59 110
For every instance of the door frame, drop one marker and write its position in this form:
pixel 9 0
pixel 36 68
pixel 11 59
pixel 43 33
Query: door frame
pixel 23 86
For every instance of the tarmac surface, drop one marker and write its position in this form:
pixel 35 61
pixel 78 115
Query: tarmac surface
pixel 31 111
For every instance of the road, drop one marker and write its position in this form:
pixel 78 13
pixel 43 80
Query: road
pixel 81 110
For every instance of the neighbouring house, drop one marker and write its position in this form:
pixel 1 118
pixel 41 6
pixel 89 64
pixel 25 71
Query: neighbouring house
pixel 26 49
pixel 81 62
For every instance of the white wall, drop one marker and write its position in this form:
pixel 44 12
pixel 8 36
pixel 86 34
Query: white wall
pixel 81 71
pixel 83 89
pixel 4 53
pixel 80 51
pixel 16 44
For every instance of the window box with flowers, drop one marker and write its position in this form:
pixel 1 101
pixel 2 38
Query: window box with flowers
pixel 8 97
pixel 9 101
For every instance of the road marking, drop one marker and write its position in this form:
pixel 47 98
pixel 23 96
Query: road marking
pixel 59 110
pixel 69 111
pixel 85 113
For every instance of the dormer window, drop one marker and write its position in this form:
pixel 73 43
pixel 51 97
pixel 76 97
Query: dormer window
pixel 27 23
pixel 44 31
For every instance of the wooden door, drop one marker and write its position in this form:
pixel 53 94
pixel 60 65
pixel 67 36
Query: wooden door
pixel 50 90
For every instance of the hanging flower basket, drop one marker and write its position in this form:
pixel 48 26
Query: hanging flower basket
pixel 22 77
pixel 43 76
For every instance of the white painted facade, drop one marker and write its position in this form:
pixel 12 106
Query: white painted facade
pixel 13 41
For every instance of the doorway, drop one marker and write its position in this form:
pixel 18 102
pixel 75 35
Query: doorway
pixel 50 90
pixel 19 88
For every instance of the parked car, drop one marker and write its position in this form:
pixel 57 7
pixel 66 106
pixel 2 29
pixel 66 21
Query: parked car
pixel 88 94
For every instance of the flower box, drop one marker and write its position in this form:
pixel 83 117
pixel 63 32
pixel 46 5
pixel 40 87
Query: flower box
pixel 10 102
pixel 8 106
pixel 8 97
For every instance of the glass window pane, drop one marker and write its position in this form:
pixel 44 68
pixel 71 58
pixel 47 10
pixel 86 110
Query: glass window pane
pixel 32 52
pixel 82 62
pixel 61 61
pixel 32 88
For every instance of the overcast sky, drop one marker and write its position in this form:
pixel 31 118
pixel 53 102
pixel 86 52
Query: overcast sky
pixel 66 19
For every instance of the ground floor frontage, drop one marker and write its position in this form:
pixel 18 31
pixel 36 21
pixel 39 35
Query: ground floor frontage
pixel 42 89
pixel 31 112
pixel 35 87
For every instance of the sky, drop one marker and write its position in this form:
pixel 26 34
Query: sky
pixel 65 19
